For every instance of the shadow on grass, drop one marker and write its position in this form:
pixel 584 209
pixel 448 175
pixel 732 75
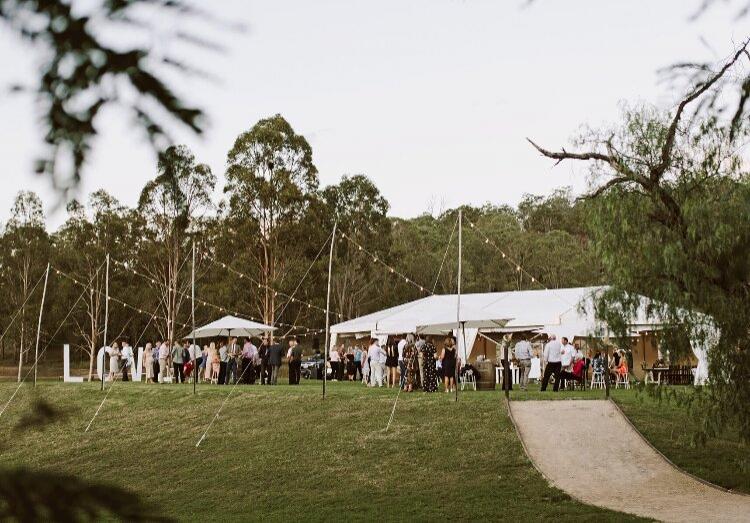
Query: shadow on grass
pixel 28 495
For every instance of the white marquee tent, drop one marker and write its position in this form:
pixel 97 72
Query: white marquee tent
pixel 564 312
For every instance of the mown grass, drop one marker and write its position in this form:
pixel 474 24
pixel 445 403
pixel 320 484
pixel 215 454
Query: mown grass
pixel 281 453
pixel 723 460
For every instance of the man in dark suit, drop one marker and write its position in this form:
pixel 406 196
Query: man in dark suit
pixel 274 361
pixel 295 361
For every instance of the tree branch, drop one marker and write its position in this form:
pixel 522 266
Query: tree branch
pixel 666 151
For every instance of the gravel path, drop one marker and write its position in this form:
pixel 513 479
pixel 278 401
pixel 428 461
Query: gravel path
pixel 589 450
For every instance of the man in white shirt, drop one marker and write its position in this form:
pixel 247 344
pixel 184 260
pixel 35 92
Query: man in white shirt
pixel 522 352
pixel 401 362
pixel 376 368
pixel 552 359
pixel 163 356
pixel 566 354
pixel 126 354
pixel 335 358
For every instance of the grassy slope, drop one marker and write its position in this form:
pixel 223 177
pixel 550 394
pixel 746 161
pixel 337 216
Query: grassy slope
pixel 281 453
pixel 723 461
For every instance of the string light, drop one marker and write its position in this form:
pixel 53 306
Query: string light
pixel 115 300
pixel 269 288
pixel 504 256
pixel 202 302
pixel 377 260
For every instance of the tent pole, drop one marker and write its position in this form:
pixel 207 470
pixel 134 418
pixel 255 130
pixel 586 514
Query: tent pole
pixel 39 325
pixel 106 319
pixel 192 317
pixel 458 300
pixel 507 377
pixel 328 309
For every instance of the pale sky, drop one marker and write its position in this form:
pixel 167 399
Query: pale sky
pixel 432 99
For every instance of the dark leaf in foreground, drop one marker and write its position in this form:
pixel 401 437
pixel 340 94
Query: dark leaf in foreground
pixel 43 496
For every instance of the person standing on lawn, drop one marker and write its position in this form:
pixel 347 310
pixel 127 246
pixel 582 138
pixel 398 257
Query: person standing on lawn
pixel 127 359
pixel 553 365
pixel 430 377
pixel 223 360
pixel 274 361
pixel 148 362
pixel 448 359
pixel 335 358
pixel 249 354
pixel 233 354
pixel 177 362
pixel 295 361
pixel 155 361
pixel 401 363
pixel 409 373
pixel 163 357
pixel 358 354
pixel 264 365
pixel 522 352
pixel 376 369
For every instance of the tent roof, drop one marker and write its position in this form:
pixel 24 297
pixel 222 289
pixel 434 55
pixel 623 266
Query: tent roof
pixel 230 326
pixel 567 312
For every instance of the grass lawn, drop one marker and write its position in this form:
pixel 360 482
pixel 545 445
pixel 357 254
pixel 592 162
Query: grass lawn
pixel 724 461
pixel 281 453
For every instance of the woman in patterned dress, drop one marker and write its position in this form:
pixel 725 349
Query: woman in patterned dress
pixel 410 360
pixel 429 381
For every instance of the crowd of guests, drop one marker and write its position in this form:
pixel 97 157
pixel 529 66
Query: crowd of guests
pixel 249 361
pixel 565 362
pixel 407 362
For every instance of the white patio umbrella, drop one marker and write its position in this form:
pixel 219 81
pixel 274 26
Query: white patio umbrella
pixel 231 326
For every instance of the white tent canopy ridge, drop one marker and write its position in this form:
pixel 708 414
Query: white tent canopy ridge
pixel 563 312
pixel 231 326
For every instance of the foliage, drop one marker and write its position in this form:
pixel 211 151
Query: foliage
pixel 669 218
pixel 273 228
pixel 82 73
pixel 271 183
pixel 172 205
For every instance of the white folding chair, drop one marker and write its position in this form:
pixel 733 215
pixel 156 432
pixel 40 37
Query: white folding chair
pixel 468 379
pixel 623 380
pixel 597 380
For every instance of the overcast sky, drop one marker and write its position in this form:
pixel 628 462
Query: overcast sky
pixel 432 99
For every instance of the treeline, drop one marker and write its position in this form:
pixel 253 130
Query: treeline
pixel 262 250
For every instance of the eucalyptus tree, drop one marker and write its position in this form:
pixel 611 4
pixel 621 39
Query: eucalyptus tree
pixel 81 246
pixel 26 248
pixel 670 219
pixel 172 206
pixel 362 214
pixel 271 183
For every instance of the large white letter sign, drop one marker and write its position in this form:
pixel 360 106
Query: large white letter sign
pixel 66 367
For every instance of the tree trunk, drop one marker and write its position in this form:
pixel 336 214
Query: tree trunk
pixel 20 352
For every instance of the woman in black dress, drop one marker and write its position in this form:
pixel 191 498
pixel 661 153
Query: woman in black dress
pixel 448 357
pixel 429 380
pixel 350 368
pixel 391 365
